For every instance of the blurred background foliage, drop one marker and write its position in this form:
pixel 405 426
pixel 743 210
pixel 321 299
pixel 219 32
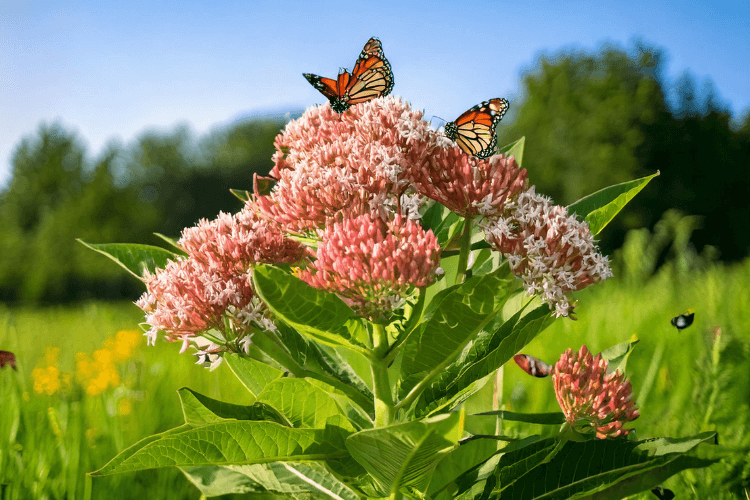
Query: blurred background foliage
pixel 590 120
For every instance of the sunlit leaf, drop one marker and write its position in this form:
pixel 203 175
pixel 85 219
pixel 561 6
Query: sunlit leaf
pixel 134 258
pixel 599 208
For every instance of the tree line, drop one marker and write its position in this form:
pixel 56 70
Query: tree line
pixel 590 120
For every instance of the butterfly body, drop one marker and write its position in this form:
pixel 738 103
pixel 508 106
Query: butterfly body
pixel 371 77
pixel 474 130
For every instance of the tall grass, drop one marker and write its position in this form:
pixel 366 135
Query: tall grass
pixel 49 442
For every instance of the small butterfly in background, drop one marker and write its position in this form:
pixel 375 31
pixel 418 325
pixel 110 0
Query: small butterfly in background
pixel 8 358
pixel 371 77
pixel 684 320
pixel 663 493
pixel 474 130
pixel 533 366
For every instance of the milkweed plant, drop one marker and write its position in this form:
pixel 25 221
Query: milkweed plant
pixel 374 282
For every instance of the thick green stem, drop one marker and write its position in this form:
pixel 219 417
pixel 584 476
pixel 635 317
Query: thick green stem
pixel 384 412
pixel 463 257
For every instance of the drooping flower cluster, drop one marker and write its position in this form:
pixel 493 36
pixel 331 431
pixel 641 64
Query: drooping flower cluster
pixel 553 252
pixel 372 263
pixel 586 392
pixel 195 294
pixel 469 186
pixel 331 165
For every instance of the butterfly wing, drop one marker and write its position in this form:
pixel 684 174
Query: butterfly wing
pixel 334 90
pixel 372 72
pixel 474 130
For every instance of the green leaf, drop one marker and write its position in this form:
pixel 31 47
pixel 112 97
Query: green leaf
pixel 305 404
pixel 134 258
pixel 312 312
pixel 133 449
pixel 404 455
pixel 228 443
pixel 201 410
pixel 252 373
pixel 445 225
pixel 173 243
pixel 599 208
pixel 552 418
pixel 598 468
pixel 276 480
pixel 456 463
pixel 486 354
pixel 452 319
pixel 514 149
pixel 241 194
pixel 618 355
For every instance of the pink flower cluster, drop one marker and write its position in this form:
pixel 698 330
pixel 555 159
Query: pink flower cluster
pixel 372 263
pixel 212 285
pixel 553 252
pixel 330 165
pixel 586 392
pixel 469 186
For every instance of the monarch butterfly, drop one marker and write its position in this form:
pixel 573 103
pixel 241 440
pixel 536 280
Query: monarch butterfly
pixel 684 320
pixel 371 77
pixel 474 130
pixel 533 366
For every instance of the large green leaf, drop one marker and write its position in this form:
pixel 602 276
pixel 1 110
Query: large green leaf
pixel 457 462
pixel 318 314
pixel 201 410
pixel 486 354
pixel 599 208
pixel 514 149
pixel 452 319
pixel 403 456
pixel 304 404
pixel 252 373
pixel 134 258
pixel 309 481
pixel 599 468
pixel 228 443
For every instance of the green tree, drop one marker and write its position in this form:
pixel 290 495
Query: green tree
pixel 603 118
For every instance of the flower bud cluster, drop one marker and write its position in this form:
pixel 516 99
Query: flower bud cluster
pixel 371 263
pixel 586 393
pixel 469 186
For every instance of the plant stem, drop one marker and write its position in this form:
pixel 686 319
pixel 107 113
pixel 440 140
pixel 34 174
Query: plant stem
pixel 463 257
pixel 384 412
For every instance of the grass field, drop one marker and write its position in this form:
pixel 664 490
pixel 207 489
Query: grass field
pixel 685 382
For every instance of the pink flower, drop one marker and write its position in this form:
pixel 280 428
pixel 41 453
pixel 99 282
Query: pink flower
pixel 553 252
pixel 372 264
pixel 232 244
pixel 328 164
pixel 188 298
pixel 585 391
pixel 469 186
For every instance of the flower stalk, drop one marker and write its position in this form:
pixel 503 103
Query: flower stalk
pixel 463 256
pixel 384 409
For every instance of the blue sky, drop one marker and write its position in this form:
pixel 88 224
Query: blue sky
pixel 110 70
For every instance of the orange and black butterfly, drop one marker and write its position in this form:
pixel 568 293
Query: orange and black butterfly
pixel 371 77
pixel 474 130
